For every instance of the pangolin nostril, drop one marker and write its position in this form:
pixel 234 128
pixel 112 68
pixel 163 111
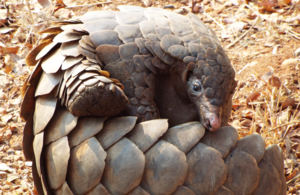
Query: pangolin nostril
pixel 208 125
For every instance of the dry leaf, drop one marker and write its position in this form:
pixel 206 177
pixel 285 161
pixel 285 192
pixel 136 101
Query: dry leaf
pixel 2 111
pixel 6 118
pixel 5 30
pixel 63 14
pixel 3 17
pixel 60 3
pixel 2 22
pixel 6 50
pixel 3 96
pixel 248 113
pixel 274 81
pixel 235 106
pixel 293 174
pixel 12 177
pixel 252 97
pixel 4 167
pixel 267 5
pixel 9 64
pixel 284 3
pixel 44 3
pixel 288 102
pixel 246 123
pixel 15 101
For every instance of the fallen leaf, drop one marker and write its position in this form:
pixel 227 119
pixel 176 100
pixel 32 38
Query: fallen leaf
pixel 12 177
pixel 284 3
pixel 60 3
pixel 268 5
pixel 3 96
pixel 5 30
pixel 2 111
pixel 246 123
pixel 292 175
pixel 235 106
pixel 6 118
pixel 44 3
pixel 274 81
pixel 288 102
pixel 6 50
pixel 63 14
pixel 4 167
pixel 15 101
pixel 252 97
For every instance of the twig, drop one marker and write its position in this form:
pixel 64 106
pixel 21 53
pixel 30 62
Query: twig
pixel 293 179
pixel 245 67
pixel 214 20
pixel 29 10
pixel 69 7
pixel 231 44
pixel 284 125
pixel 293 34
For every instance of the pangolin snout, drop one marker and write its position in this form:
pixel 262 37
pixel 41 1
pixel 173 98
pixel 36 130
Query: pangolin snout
pixel 213 122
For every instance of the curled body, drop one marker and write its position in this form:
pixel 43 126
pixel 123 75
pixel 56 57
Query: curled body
pixel 92 107
pixel 115 63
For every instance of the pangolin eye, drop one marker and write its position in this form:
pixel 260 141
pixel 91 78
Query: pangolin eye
pixel 195 87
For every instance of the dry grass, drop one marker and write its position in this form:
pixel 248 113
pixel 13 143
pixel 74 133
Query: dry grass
pixel 260 106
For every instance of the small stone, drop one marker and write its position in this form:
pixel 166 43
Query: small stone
pixel 28 163
pixel 10 152
pixel 169 6
pixel 179 11
pixel 196 8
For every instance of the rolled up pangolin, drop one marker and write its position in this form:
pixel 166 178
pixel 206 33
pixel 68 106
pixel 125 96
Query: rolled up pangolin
pixel 119 102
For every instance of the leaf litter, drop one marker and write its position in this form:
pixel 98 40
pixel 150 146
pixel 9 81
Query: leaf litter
pixel 262 39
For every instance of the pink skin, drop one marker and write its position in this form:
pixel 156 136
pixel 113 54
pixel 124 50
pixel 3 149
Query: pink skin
pixel 210 115
pixel 213 122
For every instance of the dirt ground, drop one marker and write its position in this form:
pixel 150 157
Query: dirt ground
pixel 261 45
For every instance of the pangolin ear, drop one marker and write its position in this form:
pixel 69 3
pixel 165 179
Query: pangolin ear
pixel 185 74
pixel 187 71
